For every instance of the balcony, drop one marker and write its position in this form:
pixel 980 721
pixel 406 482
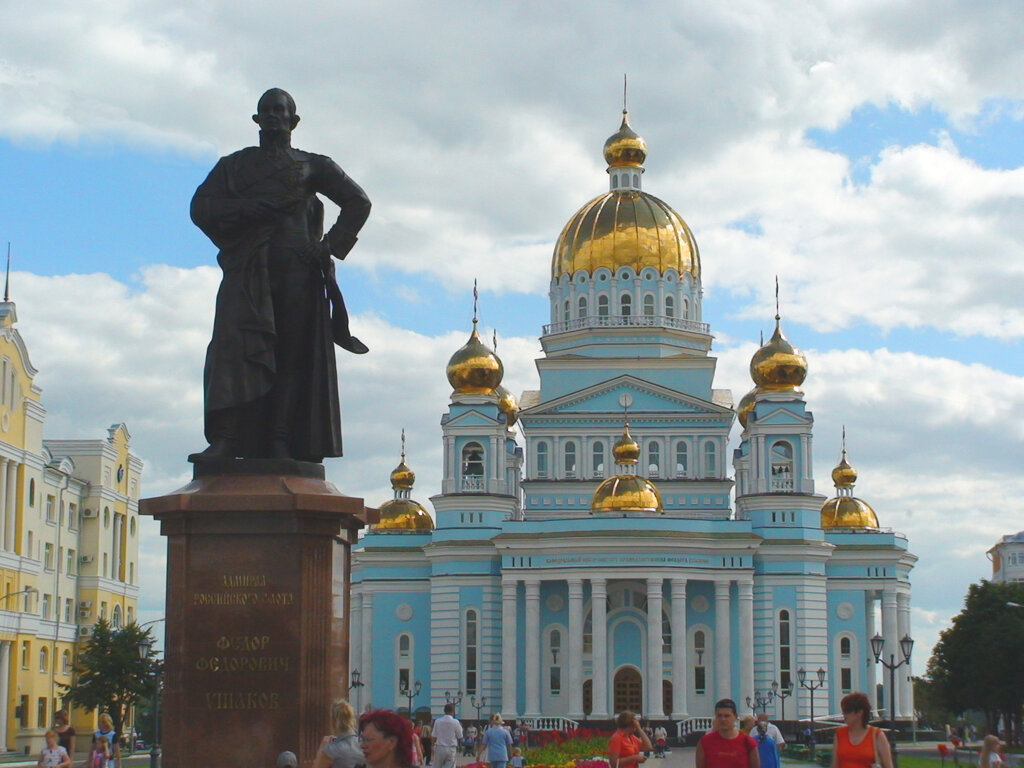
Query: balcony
pixel 627 321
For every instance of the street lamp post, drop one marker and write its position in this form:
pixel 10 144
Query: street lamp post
pixel 357 683
pixel 760 701
pixel 811 686
pixel 906 646
pixel 455 699
pixel 410 692
pixel 782 694
pixel 155 752
pixel 478 704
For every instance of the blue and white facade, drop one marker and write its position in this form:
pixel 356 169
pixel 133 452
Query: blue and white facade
pixel 526 596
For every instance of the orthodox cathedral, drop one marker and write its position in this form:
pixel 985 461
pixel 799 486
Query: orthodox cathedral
pixel 610 562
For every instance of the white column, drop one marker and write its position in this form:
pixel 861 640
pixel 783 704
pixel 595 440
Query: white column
pixel 745 641
pixel 355 634
pixel 5 665
pixel 509 652
pixel 10 507
pixel 366 647
pixel 680 706
pixel 7 545
pixel 599 647
pixel 890 631
pixel 575 646
pixel 904 687
pixel 655 657
pixel 723 643
pixel 871 684
pixel 533 648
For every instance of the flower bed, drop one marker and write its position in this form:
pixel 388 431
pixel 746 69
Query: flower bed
pixel 582 748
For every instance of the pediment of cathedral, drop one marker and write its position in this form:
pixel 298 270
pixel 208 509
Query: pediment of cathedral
pixel 783 416
pixel 470 419
pixel 645 397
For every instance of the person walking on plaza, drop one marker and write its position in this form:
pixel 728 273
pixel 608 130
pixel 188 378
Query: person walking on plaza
pixel 341 750
pixel 857 744
pixel 628 744
pixel 989 756
pixel 427 742
pixel 447 735
pixel 772 730
pixel 767 749
pixel 497 741
pixel 106 729
pixel 65 731
pixel 726 746
pixel 53 755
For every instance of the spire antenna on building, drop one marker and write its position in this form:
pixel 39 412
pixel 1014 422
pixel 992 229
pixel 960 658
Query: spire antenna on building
pixel 844 440
pixel 476 299
pixel 778 315
pixel 494 340
pixel 624 110
pixel 7 278
pixel 403 443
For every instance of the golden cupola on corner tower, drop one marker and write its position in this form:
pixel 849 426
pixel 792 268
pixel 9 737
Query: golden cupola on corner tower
pixel 845 510
pixel 626 491
pixel 402 513
pixel 475 369
pixel 625 227
pixel 778 365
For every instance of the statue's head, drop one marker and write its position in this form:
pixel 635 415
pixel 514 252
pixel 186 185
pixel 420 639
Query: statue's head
pixel 275 111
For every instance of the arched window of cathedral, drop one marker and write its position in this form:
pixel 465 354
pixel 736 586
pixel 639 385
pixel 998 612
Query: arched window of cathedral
pixel 686 309
pixel 636 180
pixel 710 459
pixel 570 458
pixel 844 647
pixel 666 632
pixel 403 661
pixel 472 467
pixel 649 305
pixel 626 305
pixel 565 312
pixel 555 661
pixel 700 672
pixel 682 458
pixel 785 651
pixel 597 459
pixel 588 632
pixel 615 181
pixel 670 306
pixel 542 458
pixel 602 305
pixel 781 466
pixel 653 459
pixel 582 307
pixel 588 697
pixel 470 648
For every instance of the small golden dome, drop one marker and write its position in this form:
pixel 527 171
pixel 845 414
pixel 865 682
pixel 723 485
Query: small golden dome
pixel 844 475
pixel 403 515
pixel 625 146
pixel 507 404
pixel 402 477
pixel 475 369
pixel 627 493
pixel 626 450
pixel 778 365
pixel 746 406
pixel 847 512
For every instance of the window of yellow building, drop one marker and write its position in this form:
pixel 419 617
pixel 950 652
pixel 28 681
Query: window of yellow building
pixel 65 664
pixel 26 650
pixel 41 713
pixel 48 556
pixel 45 611
pixel 51 513
pixel 44 659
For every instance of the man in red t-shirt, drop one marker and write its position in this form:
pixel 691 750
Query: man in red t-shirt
pixel 627 745
pixel 726 746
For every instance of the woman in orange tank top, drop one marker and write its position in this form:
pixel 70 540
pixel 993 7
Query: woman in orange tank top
pixel 857 744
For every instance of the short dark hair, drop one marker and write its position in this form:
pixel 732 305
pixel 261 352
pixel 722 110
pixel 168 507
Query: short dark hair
pixel 725 704
pixel 857 702
pixel 449 709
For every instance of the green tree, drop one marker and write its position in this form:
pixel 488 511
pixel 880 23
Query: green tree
pixel 977 661
pixel 111 675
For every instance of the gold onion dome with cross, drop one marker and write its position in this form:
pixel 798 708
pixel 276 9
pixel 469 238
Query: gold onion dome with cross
pixel 845 510
pixel 475 369
pixel 402 513
pixel 626 491
pixel 625 227
pixel 777 366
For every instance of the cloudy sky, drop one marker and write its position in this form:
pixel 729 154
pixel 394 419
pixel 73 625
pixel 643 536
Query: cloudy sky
pixel 869 154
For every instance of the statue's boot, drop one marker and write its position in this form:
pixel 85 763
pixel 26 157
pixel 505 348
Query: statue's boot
pixel 220 449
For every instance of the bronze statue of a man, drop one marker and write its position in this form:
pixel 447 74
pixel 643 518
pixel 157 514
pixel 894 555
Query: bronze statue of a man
pixel 270 381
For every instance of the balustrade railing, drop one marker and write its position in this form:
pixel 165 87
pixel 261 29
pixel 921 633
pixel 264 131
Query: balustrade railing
pixel 627 321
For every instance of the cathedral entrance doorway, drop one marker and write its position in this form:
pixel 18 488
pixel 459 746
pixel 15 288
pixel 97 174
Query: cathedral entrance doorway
pixel 629 691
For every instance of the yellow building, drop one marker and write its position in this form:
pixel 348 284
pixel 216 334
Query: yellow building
pixel 68 547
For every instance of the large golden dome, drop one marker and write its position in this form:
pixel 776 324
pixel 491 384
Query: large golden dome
pixel 627 493
pixel 778 365
pixel 625 227
pixel 474 369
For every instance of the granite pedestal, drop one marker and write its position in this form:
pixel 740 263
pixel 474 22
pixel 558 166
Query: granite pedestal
pixel 257 611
